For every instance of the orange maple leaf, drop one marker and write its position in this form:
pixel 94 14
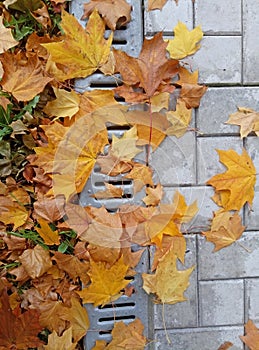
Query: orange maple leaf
pixel 251 338
pixel 152 71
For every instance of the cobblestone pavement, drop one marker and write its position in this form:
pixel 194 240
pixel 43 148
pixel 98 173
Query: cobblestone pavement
pixel 224 289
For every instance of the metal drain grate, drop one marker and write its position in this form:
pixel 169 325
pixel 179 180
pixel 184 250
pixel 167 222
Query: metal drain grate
pixel 129 39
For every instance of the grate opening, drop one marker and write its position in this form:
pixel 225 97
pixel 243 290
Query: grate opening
pixel 104 85
pixel 114 318
pixel 108 332
pixel 119 42
pixel 115 306
pixel 117 183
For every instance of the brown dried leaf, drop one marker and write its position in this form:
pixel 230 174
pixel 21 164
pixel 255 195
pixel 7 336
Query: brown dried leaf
pixel 36 261
pixel 114 12
pixel 251 338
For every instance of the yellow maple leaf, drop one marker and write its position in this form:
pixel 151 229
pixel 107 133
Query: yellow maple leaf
pixel 71 154
pixel 179 119
pixel 168 283
pixel 141 175
pixel 106 283
pixel 49 236
pixel 185 42
pixel 65 105
pixel 247 119
pixel 7 39
pixel 124 148
pixel 81 52
pixel 226 228
pixel 63 342
pixel 79 319
pixel 235 187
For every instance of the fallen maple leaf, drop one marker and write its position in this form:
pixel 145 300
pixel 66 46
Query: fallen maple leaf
pixel 247 119
pixel 124 148
pixel 49 236
pixel 156 4
pixel 24 80
pixel 154 195
pixel 105 229
pixel 36 261
pixel 225 346
pixel 49 209
pixel 77 218
pixel 179 119
pixel 114 12
pixel 185 42
pixel 106 284
pixel 235 187
pixel 72 266
pixel 110 192
pixel 251 338
pixel 168 283
pixel 79 320
pixel 152 71
pixel 226 228
pixel 65 105
pixel 7 39
pixel 128 336
pixel 18 330
pixel 141 175
pixel 63 342
pixel 81 52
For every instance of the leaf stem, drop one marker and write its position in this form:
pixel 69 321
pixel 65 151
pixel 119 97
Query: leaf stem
pixel 150 133
pixel 164 324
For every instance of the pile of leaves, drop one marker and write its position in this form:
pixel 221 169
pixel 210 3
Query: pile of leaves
pixel 56 254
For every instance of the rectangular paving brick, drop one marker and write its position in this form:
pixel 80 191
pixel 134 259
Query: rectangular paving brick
pixel 215 68
pixel 199 338
pixel 252 300
pixel 184 314
pixel 218 299
pixel 251 46
pixel 218 103
pixel 174 160
pixel 239 260
pixel 206 205
pixel 219 17
pixel 166 19
pixel 208 158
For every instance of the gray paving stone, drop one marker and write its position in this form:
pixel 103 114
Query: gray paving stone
pixel 215 68
pixel 199 338
pixel 239 260
pixel 218 299
pixel 184 314
pixel 218 103
pixel 251 46
pixel 206 205
pixel 219 16
pixel 174 161
pixel 166 19
pixel 252 214
pixel 207 156
pixel 252 300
